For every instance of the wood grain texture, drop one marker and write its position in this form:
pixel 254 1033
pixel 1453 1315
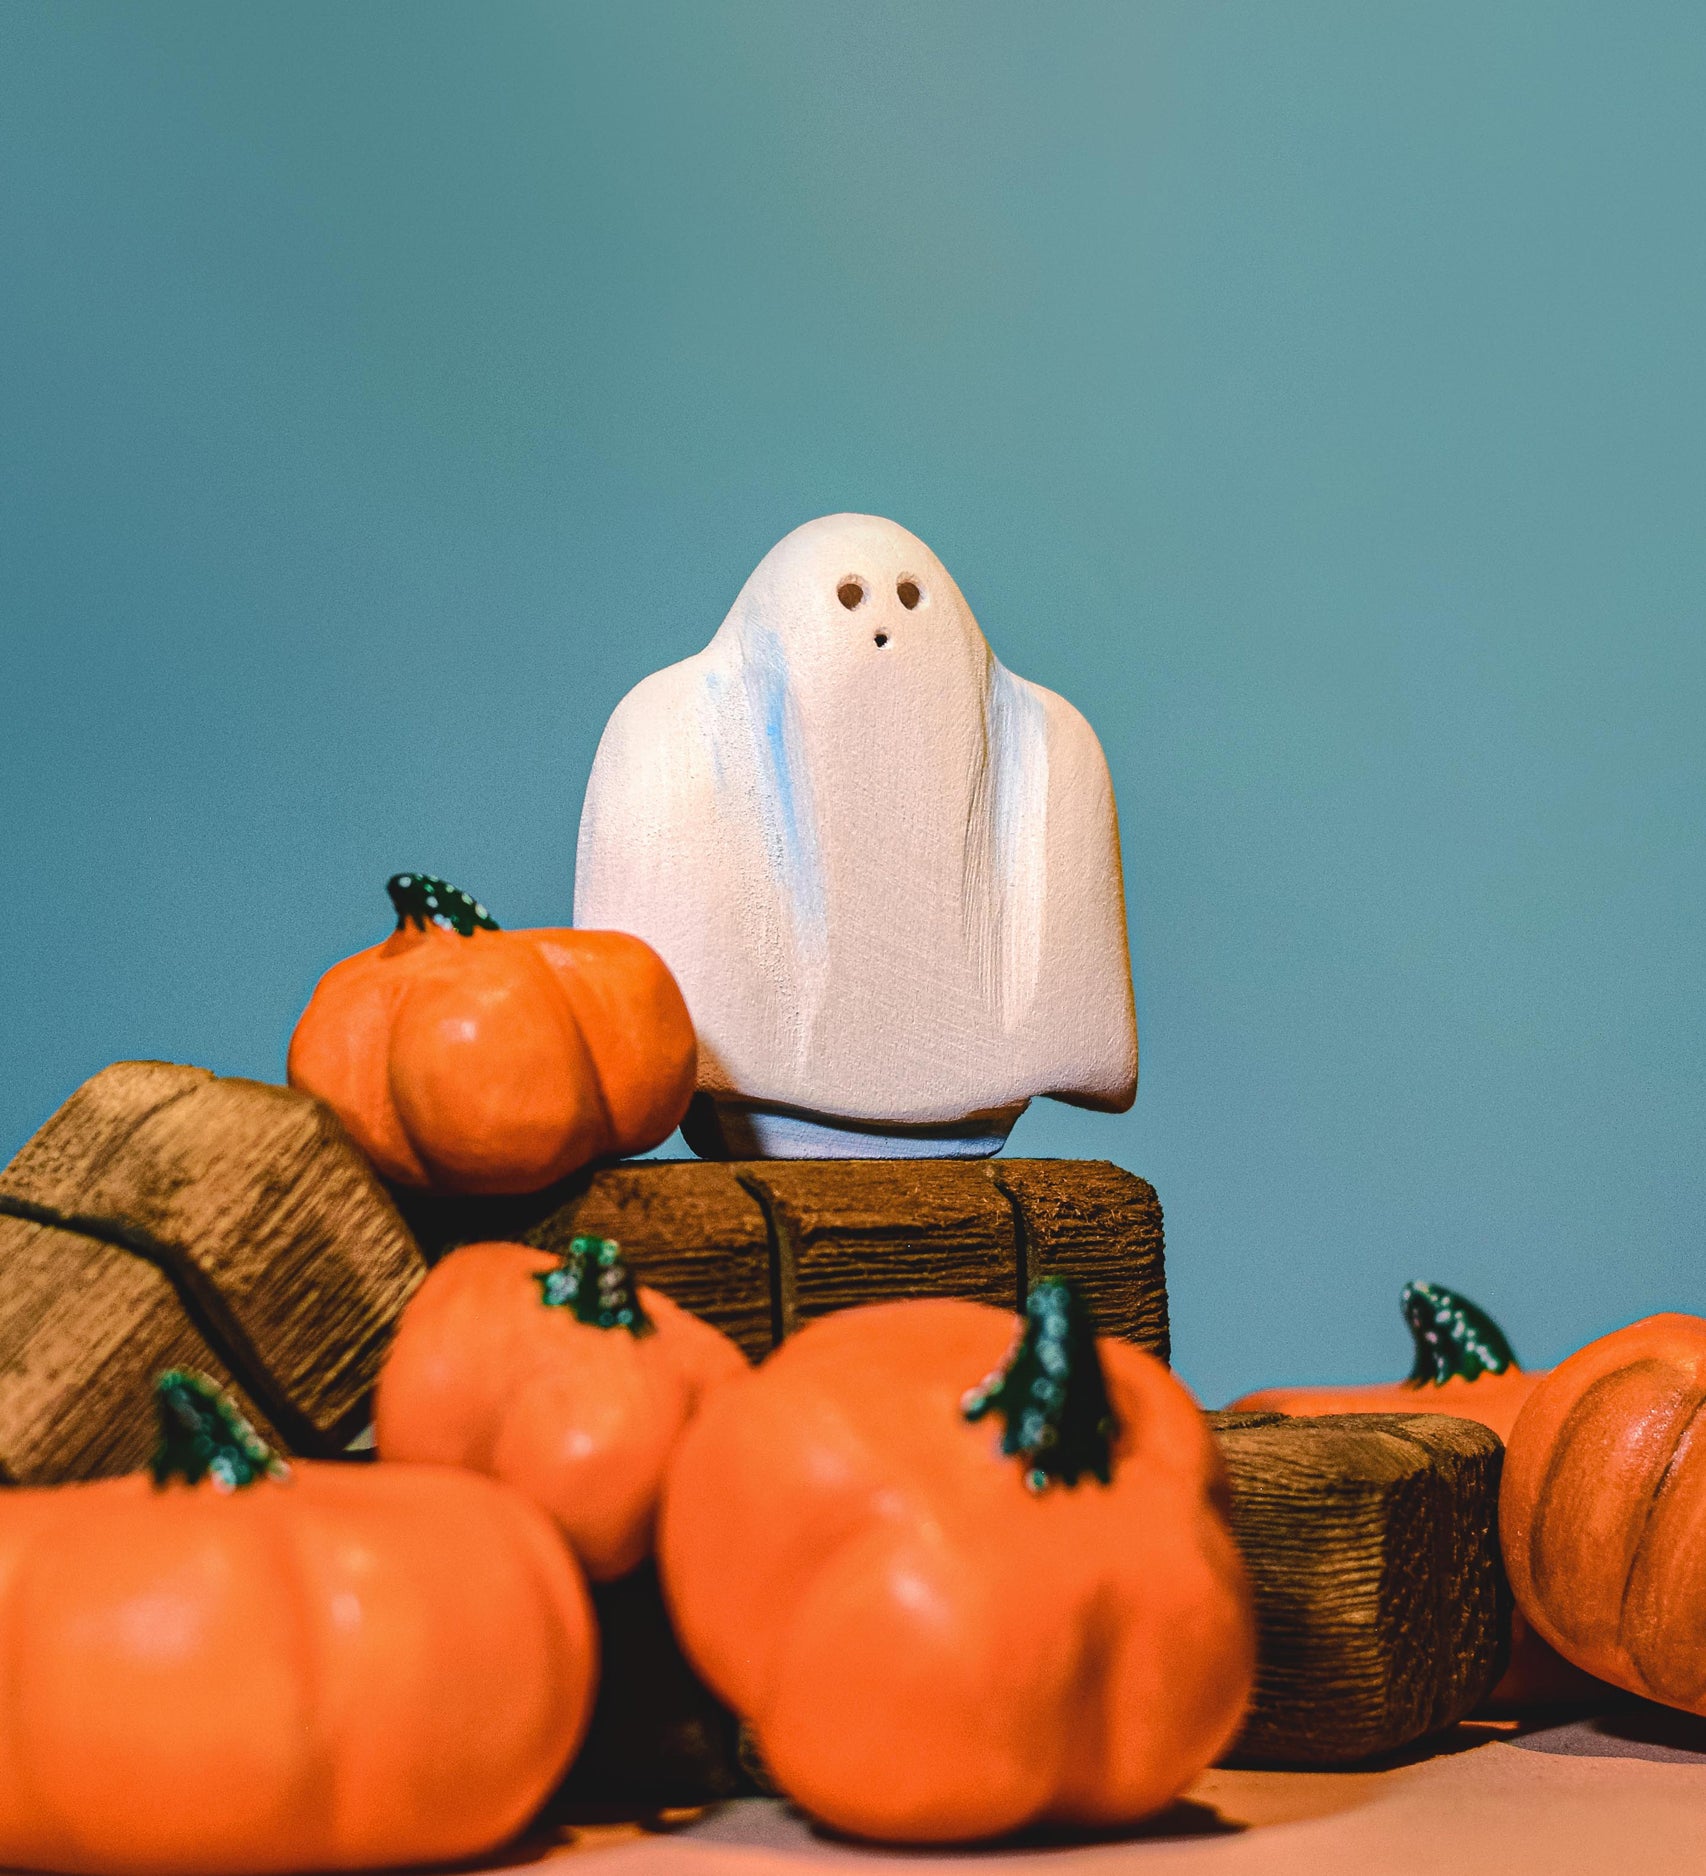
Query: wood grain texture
pixel 84 1330
pixel 760 1246
pixel 165 1214
pixel 1099 1225
pixel 869 1231
pixel 1381 1608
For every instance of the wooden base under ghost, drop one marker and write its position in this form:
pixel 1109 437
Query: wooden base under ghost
pixel 759 1247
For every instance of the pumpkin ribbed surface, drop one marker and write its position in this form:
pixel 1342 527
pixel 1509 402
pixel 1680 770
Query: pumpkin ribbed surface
pixel 470 1059
pixel 940 1628
pixel 349 1667
pixel 1602 1511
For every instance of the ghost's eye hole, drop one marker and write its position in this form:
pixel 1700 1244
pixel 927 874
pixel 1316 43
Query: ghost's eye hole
pixel 908 594
pixel 850 593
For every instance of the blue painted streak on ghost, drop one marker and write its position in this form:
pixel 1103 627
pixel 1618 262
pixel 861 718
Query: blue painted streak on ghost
pixel 785 793
pixel 1018 832
pixel 712 719
pixel 1018 756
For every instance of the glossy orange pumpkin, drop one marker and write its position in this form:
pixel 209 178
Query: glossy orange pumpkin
pixel 1602 1509
pixel 938 1631
pixel 1463 1367
pixel 559 1377
pixel 470 1059
pixel 232 1671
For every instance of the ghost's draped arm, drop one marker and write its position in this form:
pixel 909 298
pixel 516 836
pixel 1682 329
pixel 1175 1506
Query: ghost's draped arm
pixel 640 800
pixel 1086 999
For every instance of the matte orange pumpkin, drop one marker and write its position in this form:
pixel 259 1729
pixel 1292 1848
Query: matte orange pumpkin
pixel 557 1376
pixel 1602 1509
pixel 938 1631
pixel 476 1060
pixel 231 1671
pixel 1463 1367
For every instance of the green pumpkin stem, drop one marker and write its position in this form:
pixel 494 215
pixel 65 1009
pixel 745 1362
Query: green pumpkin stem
pixel 1051 1392
pixel 1454 1339
pixel 593 1283
pixel 203 1436
pixel 422 900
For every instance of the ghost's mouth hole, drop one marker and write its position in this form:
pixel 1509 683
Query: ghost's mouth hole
pixel 850 593
pixel 882 640
pixel 908 594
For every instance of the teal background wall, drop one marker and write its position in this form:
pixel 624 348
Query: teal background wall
pixel 1312 392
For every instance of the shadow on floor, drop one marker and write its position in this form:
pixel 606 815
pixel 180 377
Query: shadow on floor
pixel 765 1824
pixel 1636 1729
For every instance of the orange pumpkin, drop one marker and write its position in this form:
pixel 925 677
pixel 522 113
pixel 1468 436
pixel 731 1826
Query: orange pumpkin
pixel 230 1668
pixel 559 1377
pixel 1463 1367
pixel 476 1060
pixel 938 1631
pixel 1602 1509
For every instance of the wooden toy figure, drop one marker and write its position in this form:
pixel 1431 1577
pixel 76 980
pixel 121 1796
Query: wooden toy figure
pixel 884 870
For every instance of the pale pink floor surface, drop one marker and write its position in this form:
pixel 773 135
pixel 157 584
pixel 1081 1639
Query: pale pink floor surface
pixel 1623 1792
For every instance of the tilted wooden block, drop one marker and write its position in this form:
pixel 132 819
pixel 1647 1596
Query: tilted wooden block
pixel 166 1216
pixel 760 1246
pixel 1381 1609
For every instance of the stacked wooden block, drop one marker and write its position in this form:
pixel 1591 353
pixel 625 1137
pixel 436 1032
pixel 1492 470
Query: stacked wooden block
pixel 759 1247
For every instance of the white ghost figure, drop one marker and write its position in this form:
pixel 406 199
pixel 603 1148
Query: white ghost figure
pixel 884 870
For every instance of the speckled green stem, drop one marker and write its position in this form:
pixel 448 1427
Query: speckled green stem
pixel 1454 1339
pixel 1051 1392
pixel 422 900
pixel 593 1284
pixel 203 1436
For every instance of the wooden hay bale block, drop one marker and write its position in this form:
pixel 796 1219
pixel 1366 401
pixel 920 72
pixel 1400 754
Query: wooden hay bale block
pixel 1381 1609
pixel 759 1247
pixel 166 1216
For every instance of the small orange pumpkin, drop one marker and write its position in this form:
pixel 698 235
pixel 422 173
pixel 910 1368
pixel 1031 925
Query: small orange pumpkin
pixel 232 1668
pixel 1602 1509
pixel 938 1631
pixel 561 1378
pixel 476 1060
pixel 1463 1367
